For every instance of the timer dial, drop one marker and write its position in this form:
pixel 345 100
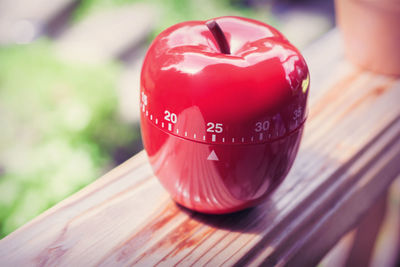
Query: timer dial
pixel 222 127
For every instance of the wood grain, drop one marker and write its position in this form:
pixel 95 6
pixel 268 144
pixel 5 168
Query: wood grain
pixel 348 158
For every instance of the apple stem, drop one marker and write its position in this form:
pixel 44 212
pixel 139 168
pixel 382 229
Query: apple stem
pixel 219 36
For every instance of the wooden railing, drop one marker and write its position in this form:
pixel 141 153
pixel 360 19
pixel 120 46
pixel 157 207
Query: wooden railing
pixel 349 156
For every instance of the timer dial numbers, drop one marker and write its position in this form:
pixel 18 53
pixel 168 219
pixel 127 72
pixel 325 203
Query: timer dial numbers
pixel 262 126
pixel 144 99
pixel 171 117
pixel 265 129
pixel 214 127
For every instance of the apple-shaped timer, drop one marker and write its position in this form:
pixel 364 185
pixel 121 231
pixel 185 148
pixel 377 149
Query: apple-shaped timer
pixel 223 104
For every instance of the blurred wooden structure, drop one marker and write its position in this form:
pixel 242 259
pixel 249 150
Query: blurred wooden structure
pixel 23 21
pixel 348 159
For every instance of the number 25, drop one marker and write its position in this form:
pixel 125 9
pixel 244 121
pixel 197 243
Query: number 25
pixel 214 127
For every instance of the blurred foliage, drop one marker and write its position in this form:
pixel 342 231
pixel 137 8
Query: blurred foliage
pixel 175 11
pixel 59 129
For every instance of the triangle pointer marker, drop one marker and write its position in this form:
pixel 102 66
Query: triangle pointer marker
pixel 212 156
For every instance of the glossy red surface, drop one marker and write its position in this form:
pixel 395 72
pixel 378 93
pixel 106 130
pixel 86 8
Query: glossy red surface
pixel 222 130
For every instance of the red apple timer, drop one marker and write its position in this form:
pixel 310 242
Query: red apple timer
pixel 223 104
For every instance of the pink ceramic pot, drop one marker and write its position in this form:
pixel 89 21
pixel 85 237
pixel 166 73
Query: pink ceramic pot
pixel 371 32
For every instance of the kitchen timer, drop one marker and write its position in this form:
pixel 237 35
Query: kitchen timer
pixel 223 106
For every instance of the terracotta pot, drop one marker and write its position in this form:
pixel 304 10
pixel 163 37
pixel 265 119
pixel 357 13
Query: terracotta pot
pixel 371 31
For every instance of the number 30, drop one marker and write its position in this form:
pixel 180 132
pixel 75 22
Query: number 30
pixel 262 126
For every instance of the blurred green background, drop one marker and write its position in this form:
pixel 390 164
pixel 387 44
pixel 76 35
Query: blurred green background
pixel 60 129
pixel 61 122
pixel 60 125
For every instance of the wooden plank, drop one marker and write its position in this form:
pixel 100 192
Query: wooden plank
pixel 387 245
pixel 348 158
pixel 367 233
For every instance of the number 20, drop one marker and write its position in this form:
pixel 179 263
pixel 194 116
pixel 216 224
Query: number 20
pixel 170 116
